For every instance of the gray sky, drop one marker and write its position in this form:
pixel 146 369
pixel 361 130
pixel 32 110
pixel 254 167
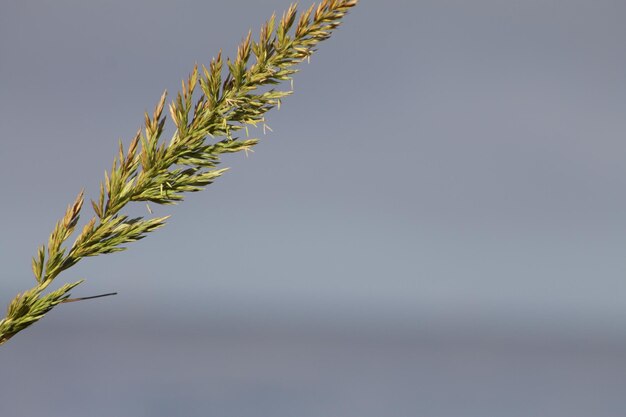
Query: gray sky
pixel 440 161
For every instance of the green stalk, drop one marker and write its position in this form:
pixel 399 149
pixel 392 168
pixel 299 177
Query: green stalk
pixel 152 170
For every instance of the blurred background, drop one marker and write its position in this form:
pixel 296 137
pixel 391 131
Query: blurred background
pixel 435 227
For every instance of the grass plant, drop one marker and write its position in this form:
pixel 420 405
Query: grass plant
pixel 214 104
